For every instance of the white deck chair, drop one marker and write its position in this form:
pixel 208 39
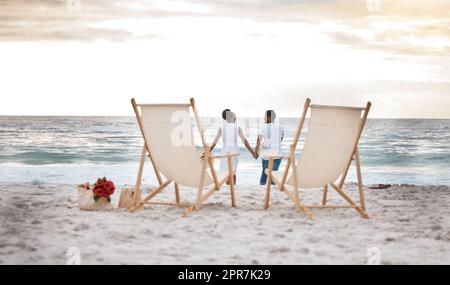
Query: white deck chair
pixel 169 143
pixel 330 147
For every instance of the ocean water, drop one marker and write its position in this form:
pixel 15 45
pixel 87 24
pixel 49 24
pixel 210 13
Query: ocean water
pixel 78 149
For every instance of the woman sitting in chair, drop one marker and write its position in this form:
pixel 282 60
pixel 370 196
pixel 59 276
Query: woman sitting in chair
pixel 229 133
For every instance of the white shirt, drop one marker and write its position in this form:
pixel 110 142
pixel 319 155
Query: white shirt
pixel 229 136
pixel 271 136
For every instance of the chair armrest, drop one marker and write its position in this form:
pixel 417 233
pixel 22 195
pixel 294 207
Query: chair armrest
pixel 278 157
pixel 225 155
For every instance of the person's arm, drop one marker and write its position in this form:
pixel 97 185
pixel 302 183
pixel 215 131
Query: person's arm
pixel 214 143
pixel 258 145
pixel 245 141
pixel 216 139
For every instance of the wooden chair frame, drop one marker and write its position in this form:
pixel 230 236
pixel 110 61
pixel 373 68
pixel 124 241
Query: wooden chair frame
pixel 208 160
pixel 291 163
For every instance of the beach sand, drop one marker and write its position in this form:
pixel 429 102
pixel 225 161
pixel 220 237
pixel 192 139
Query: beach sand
pixel 409 225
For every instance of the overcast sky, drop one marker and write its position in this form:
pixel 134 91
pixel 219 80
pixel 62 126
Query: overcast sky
pixel 90 57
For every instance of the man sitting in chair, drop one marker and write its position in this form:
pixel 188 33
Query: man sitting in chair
pixel 270 137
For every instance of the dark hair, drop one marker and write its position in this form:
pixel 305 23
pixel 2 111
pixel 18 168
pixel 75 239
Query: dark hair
pixel 271 116
pixel 225 113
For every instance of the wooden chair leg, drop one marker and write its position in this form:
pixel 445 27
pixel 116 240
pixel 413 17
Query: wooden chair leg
pixel 299 205
pixel 231 180
pixel 188 210
pixel 149 196
pixel 363 213
pixel 324 195
pixel 177 194
pixel 208 194
pixel 269 183
pixel 305 210
pixel 137 188
pixel 201 185
pixel 362 198
pixel 203 198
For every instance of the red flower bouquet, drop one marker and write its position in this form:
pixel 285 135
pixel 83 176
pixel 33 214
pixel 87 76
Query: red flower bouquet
pixel 103 189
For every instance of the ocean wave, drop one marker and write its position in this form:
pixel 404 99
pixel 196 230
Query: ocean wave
pixel 73 141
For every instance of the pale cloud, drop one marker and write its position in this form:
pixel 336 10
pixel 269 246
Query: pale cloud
pixel 390 98
pixel 249 54
pixel 176 6
pixel 402 26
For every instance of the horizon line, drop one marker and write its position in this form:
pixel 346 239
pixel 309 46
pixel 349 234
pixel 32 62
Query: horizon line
pixel 284 117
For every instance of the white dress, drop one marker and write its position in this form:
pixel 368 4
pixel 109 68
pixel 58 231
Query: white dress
pixel 229 139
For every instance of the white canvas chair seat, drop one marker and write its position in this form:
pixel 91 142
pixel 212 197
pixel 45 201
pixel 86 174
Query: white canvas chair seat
pixel 332 134
pixel 330 146
pixel 169 143
pixel 169 135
